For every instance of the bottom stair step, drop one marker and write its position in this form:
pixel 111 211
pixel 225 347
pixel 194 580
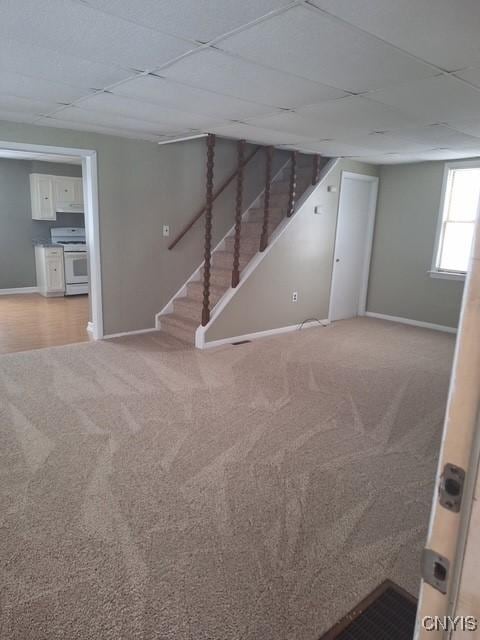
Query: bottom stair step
pixel 179 326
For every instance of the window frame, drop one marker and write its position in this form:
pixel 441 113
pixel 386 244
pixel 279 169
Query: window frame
pixel 435 272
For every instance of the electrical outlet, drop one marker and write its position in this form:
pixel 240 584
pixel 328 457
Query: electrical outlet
pixel 166 230
pixel 295 296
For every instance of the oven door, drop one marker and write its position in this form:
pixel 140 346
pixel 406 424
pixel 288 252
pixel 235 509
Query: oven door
pixel 76 269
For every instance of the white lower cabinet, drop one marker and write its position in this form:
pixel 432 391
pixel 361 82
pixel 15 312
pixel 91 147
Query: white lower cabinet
pixel 50 271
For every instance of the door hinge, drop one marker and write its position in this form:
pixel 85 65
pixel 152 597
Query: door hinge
pixel 451 486
pixel 435 570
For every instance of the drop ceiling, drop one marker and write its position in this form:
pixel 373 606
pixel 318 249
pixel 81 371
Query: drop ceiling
pixel 385 81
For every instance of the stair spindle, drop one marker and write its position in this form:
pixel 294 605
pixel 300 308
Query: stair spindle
pixel 293 185
pixel 208 229
pixel 238 214
pixel 316 169
pixel 266 202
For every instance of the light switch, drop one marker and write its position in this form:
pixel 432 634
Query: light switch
pixel 166 230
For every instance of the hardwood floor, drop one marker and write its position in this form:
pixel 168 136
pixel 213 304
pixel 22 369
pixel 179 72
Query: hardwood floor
pixel 30 321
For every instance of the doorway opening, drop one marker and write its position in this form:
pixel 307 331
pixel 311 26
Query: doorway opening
pixel 50 280
pixel 353 245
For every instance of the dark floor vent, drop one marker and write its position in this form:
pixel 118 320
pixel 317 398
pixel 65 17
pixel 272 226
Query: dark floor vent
pixel 235 344
pixel 388 613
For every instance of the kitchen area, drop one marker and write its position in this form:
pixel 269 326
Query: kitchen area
pixel 44 281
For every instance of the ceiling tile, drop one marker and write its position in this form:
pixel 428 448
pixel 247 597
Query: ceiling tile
pixel 16 116
pixel 440 99
pixel 26 105
pixel 386 142
pixel 120 130
pixel 239 130
pixel 201 20
pixel 28 59
pixel 38 88
pixel 438 135
pixel 357 114
pixel 106 104
pixel 392 158
pixel 302 41
pixel 442 32
pixel 76 30
pixel 173 95
pixel 470 75
pixel 450 154
pixel 470 127
pixel 335 148
pixel 294 124
pixel 78 116
pixel 230 75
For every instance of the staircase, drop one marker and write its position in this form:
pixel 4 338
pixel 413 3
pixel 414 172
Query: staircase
pixel 187 310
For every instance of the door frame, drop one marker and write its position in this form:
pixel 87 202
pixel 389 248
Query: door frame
pixel 91 211
pixel 362 303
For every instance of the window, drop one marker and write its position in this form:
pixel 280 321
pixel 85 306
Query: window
pixel 460 203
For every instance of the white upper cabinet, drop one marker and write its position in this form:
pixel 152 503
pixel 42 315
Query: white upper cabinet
pixel 52 194
pixel 42 196
pixel 68 194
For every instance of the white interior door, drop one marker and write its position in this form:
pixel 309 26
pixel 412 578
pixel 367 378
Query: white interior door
pixel 353 245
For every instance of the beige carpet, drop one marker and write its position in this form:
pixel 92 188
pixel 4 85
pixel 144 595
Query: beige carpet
pixel 258 492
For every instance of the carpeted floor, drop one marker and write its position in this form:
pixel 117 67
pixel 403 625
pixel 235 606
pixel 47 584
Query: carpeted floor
pixel 257 492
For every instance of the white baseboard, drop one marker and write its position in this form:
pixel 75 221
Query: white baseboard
pixel 264 334
pixel 128 333
pixel 413 323
pixel 9 292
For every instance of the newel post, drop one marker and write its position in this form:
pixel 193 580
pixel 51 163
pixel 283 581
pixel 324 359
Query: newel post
pixel 238 214
pixel 208 229
pixel 266 202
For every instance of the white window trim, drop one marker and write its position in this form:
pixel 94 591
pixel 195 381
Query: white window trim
pixel 434 272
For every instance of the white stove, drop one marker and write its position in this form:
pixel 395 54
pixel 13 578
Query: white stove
pixel 73 241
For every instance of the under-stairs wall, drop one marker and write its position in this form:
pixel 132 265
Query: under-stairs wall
pixel 301 261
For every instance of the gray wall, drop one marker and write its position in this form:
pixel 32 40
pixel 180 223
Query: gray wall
pixel 301 260
pixel 407 213
pixel 17 229
pixel 141 187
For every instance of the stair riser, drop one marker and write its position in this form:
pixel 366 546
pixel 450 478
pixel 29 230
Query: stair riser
pixel 193 312
pixel 220 279
pixel 178 332
pixel 248 246
pixel 197 294
pixel 274 217
pixel 253 230
pixel 223 261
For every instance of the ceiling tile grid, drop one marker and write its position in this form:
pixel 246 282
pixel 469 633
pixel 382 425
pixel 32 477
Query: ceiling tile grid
pixel 339 77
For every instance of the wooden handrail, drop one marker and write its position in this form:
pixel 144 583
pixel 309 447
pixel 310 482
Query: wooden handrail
pixel 215 196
